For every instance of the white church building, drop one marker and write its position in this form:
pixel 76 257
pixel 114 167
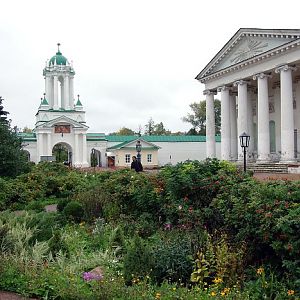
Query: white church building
pixel 61 124
pixel 257 76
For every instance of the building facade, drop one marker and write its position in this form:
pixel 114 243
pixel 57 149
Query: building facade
pixel 258 78
pixel 61 130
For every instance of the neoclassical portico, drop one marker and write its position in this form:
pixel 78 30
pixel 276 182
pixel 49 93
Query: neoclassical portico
pixel 256 77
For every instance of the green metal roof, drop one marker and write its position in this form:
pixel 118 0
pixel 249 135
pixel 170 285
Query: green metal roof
pixel 160 138
pixel 28 137
pixel 78 103
pixel 44 102
pixel 59 58
pixel 95 137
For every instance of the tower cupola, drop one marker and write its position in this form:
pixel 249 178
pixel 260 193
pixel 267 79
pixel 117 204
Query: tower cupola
pixel 58 58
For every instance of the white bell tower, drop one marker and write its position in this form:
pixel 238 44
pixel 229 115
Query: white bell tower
pixel 59 86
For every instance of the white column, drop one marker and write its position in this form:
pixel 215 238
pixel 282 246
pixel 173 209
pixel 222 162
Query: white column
pixel 225 123
pixel 84 151
pixel 55 92
pixel 287 113
pixel 263 130
pixel 40 146
pixel 49 145
pixel 67 93
pixel 250 122
pixel 233 128
pixel 47 88
pixel 242 112
pixel 71 93
pixel 76 150
pixel 210 124
pixel 62 94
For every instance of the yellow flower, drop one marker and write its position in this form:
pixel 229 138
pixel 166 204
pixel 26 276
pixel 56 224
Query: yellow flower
pixel 217 280
pixel 260 270
pixel 213 293
pixel 174 288
pixel 223 294
pixel 290 292
pixel 157 296
pixel 226 290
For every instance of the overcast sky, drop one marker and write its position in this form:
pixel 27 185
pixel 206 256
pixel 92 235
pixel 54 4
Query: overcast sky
pixel 133 59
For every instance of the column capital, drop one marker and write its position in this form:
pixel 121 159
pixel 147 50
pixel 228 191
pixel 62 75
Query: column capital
pixel 209 92
pixel 261 76
pixel 240 82
pixel 285 68
pixel 223 88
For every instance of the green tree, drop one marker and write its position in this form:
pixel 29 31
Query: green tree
pixel 13 160
pixel 149 127
pixel 125 131
pixel 198 117
pixel 156 129
pixel 159 129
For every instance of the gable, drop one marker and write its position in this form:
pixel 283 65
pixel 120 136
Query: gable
pixel 246 44
pixel 62 120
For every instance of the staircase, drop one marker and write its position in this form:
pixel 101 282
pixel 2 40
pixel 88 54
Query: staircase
pixel 267 167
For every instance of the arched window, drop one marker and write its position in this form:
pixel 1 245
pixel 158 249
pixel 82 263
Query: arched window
pixel 272 136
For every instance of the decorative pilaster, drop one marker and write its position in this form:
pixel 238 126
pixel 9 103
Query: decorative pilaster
pixel 242 111
pixel 263 130
pixel 48 89
pixel 233 128
pixel 40 145
pixel 49 144
pixel 287 113
pixel 55 92
pixel 76 150
pixel 225 123
pixel 210 124
pixel 84 151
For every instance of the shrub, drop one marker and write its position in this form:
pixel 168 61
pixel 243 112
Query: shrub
pixel 74 211
pixel 172 258
pixel 137 261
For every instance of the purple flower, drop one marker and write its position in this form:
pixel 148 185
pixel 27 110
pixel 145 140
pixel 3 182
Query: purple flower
pixel 168 226
pixel 88 276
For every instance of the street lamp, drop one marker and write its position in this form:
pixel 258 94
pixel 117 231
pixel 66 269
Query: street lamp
pixel 244 142
pixel 93 162
pixel 138 148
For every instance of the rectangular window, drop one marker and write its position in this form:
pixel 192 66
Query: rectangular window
pixel 127 158
pixel 149 158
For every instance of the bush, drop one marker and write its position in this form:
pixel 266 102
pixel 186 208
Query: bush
pixel 137 261
pixel 172 256
pixel 74 211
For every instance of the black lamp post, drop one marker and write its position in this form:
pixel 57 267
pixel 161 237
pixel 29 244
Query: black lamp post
pixel 93 158
pixel 244 142
pixel 138 148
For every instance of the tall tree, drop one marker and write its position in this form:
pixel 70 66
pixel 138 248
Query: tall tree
pixel 149 127
pixel 125 131
pixel 198 117
pixel 159 129
pixel 13 160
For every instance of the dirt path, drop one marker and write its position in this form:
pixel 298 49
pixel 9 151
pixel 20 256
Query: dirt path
pixel 12 296
pixel 276 176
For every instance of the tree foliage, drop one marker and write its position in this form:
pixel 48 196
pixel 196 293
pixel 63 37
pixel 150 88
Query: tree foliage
pixel 198 117
pixel 123 131
pixel 156 129
pixel 13 160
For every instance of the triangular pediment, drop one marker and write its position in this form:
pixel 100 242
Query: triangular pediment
pixel 63 120
pixel 246 44
pixel 132 144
